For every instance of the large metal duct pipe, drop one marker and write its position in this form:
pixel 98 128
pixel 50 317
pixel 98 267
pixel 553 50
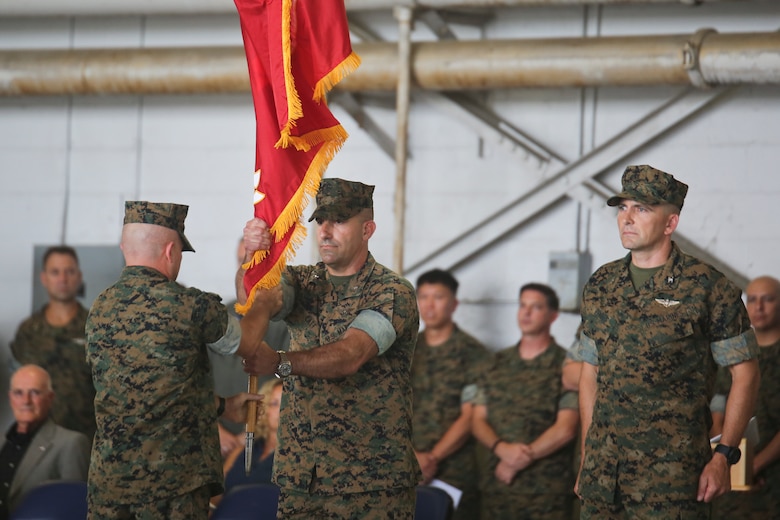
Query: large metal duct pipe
pixel 705 58
pixel 188 70
pixel 162 7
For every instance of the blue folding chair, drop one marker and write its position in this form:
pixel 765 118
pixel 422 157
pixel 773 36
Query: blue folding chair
pixel 56 500
pixel 433 504
pixel 248 502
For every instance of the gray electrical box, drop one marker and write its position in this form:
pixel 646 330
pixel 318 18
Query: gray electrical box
pixel 100 267
pixel 569 271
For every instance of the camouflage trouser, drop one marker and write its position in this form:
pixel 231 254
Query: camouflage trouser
pixel 525 506
pixel 388 504
pixel 190 506
pixel 627 509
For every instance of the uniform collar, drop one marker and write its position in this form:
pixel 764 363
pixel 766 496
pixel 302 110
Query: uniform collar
pixel 136 270
pixel 665 279
pixel 357 282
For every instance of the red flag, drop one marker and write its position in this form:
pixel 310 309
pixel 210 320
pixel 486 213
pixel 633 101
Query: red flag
pixel 297 50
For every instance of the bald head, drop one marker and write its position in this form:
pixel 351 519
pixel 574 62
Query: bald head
pixel 763 306
pixel 765 281
pixel 146 240
pixel 33 373
pixel 31 397
pixel 152 246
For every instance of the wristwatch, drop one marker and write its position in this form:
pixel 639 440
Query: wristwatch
pixel 284 368
pixel 731 453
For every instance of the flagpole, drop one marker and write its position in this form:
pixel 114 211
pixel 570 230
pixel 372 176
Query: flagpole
pixel 251 424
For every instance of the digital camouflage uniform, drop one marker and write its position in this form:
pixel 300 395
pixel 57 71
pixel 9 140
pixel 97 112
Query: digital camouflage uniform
pixel 764 502
pixel 656 348
pixel 157 432
pixel 156 451
pixel 60 351
pixel 443 378
pixel 523 398
pixel 351 434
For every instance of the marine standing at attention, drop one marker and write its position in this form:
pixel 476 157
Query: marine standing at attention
pixel 655 326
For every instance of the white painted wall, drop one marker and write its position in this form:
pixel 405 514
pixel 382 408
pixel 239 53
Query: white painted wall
pixel 68 164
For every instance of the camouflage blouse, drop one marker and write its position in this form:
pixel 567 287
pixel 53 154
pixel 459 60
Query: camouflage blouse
pixel 444 377
pixel 156 421
pixel 657 349
pixel 523 398
pixel 352 433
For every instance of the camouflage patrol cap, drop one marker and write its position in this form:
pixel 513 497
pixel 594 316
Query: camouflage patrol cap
pixel 646 184
pixel 163 214
pixel 339 199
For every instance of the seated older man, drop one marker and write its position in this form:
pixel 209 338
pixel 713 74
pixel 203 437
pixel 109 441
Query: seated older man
pixel 35 449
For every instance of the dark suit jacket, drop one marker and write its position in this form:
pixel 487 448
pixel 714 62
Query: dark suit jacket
pixel 55 453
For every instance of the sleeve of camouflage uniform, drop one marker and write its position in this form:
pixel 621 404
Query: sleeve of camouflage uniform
pixel 377 326
pixel 732 338
pixel 479 362
pixel 288 296
pixel 569 401
pixel 17 346
pixel 584 349
pixel 216 329
pixel 228 343
pixel 384 321
pixel 572 366
pixel 480 391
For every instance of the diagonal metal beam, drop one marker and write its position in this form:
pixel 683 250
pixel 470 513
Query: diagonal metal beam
pixel 355 109
pixel 362 31
pixel 489 125
pixel 485 123
pixel 433 20
pixel 531 203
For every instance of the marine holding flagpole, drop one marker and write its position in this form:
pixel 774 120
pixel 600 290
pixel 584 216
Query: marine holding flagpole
pixel 345 447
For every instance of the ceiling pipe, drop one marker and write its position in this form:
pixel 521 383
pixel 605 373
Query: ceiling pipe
pixel 705 58
pixel 166 7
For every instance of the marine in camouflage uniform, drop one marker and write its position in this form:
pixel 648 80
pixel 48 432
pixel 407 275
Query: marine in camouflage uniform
pixel 345 446
pixel 60 350
pixel 524 401
pixel 444 380
pixel 763 502
pixel 654 346
pixel 156 452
